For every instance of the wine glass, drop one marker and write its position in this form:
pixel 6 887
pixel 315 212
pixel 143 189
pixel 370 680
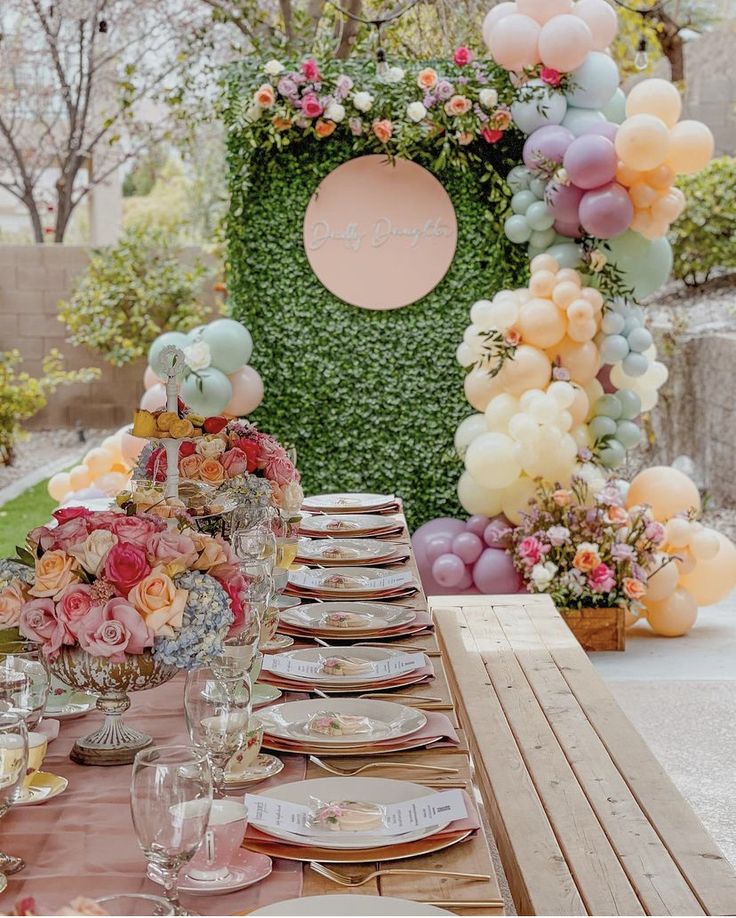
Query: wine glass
pixel 31 700
pixel 170 802
pixel 217 715
pixel 13 763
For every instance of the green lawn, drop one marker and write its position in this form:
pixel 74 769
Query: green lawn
pixel 31 508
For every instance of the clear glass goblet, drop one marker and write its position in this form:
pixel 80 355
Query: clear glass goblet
pixel 170 802
pixel 13 763
pixel 217 715
pixel 31 701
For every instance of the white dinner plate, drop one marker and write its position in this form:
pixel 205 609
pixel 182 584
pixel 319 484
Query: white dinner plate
pixel 350 500
pixel 374 616
pixel 341 904
pixel 359 789
pixel 369 654
pixel 387 720
pixel 346 551
pixel 349 525
pixel 339 581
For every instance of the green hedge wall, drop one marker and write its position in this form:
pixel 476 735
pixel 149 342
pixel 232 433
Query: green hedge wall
pixel 370 399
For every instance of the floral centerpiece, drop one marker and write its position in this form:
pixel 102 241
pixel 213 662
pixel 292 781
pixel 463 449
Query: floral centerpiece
pixel 587 552
pixel 119 603
pixel 15 581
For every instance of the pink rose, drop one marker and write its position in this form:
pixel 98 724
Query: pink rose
pixel 113 630
pixel 136 529
pixel 38 623
pixel 601 579
pixel 530 550
pixel 311 70
pixel 172 548
pixel 126 565
pixel 41 536
pixel 235 588
pixel 458 105
pixel 383 129
pixel 72 532
pixel 311 106
pixel 491 136
pixel 235 462
pixel 462 56
pixel 11 602
pixel 550 76
pixel 73 605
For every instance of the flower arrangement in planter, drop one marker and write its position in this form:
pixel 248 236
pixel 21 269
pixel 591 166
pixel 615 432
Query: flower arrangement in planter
pixel 588 553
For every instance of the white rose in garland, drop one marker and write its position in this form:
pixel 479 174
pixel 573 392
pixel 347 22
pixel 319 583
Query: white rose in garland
pixel 394 75
pixel 416 112
pixel 198 356
pixel 335 112
pixel 274 67
pixel 363 101
pixel 488 98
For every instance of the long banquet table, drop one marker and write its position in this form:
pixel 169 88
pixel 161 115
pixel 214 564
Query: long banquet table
pixel 82 842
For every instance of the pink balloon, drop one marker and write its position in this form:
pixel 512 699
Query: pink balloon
pixel 564 201
pixel 513 42
pixel 444 526
pixel 438 545
pixel 601 19
pixel 606 212
pixel 494 572
pixel 497 532
pixel 564 43
pixel 591 161
pixel 154 398
pixel 544 10
pixel 570 228
pixel 247 392
pixel 604 378
pixel 476 524
pixel 448 570
pixel 496 14
pixel 546 145
pixel 467 546
pixel 150 379
pixel 466 583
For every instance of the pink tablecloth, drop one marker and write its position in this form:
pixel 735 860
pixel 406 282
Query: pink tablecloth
pixel 83 843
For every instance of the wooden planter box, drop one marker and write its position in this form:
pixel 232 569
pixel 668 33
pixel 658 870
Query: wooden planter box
pixel 597 629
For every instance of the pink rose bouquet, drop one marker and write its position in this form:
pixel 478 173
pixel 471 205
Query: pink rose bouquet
pixel 587 551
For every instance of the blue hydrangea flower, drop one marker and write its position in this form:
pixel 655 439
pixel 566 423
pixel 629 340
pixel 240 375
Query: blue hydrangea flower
pixel 207 619
pixel 10 570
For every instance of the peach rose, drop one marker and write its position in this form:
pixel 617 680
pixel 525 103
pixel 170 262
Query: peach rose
pixel 634 589
pixel 501 119
pixel 587 558
pixel 190 466
pixel 55 570
pixel 212 472
pixel 561 497
pixel 427 78
pixel 324 128
pixel 383 130
pixel 212 553
pixel 265 96
pixel 11 602
pixel 280 123
pixel 458 105
pixel 159 602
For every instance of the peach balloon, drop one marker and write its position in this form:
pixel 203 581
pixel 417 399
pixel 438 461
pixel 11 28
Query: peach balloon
pixel 112 483
pixel 131 447
pixel 655 97
pixel 580 407
pixel 674 616
pixel 581 360
pixel 530 369
pixel 79 477
pixel 579 310
pixel 582 330
pixel 564 43
pixel 569 274
pixel 625 175
pixel 496 15
pixel 691 147
pixel 643 195
pixel 565 293
pixel 705 544
pixel 544 263
pixel 664 489
pixel 662 583
pixel 98 461
pixel 542 283
pixel 541 323
pixel 150 378
pixel 685 561
pixel 662 178
pixel 154 398
pixel 594 297
pixel 112 445
pixel 600 18
pixel 630 619
pixel 544 10
pixel 247 392
pixel 513 42
pixel 480 388
pixel 643 141
pixel 59 486
pixel 712 581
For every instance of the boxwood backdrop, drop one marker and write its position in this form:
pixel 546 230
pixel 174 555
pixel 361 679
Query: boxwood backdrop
pixel 370 399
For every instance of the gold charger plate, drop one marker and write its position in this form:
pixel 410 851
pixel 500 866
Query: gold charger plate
pixel 293 686
pixel 272 742
pixel 356 855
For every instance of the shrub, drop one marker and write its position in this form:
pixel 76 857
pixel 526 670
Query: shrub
pixel 704 238
pixel 22 396
pixel 130 293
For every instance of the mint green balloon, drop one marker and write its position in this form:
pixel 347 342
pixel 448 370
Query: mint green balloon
pixel 175 339
pixel 630 403
pixel 609 406
pixel 602 426
pixel 567 254
pixel 628 434
pixel 522 201
pixel 542 239
pixel 538 217
pixel 196 334
pixel 645 265
pixel 615 110
pixel 230 344
pixel 612 455
pixel 207 392
pixel 517 229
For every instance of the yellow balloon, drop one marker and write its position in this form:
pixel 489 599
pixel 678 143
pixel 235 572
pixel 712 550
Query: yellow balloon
pixel 98 461
pixel 515 500
pixel 491 459
pixel 476 499
pixel 673 617
pixel 712 581
pixel 663 582
pixel 667 491
pixel 642 142
pixel 79 477
pixel 691 147
pixel 59 486
pixel 655 97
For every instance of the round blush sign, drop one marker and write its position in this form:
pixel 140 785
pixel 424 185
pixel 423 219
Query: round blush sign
pixel 380 234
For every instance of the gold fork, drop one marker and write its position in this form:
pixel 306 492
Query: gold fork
pixel 353 880
pixel 349 772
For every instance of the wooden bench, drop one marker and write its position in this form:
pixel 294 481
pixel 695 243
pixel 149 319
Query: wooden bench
pixel 586 820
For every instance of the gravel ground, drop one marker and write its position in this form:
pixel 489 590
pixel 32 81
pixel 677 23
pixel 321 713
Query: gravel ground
pixel 42 446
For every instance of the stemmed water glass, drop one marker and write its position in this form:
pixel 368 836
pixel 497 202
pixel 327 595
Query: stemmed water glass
pixel 170 801
pixel 217 715
pixel 29 701
pixel 13 763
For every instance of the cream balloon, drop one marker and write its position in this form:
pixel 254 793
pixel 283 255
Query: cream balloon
pixel 662 582
pixel 678 532
pixel 664 489
pixel 480 387
pixel 491 460
pixel 499 412
pixel 480 313
pixel 112 445
pixel 674 616
pixel 79 477
pixel 655 97
pixel 467 431
pixel 130 446
pixel 465 356
pixel 59 486
pixel 685 561
pixel 580 406
pixel 530 369
pixel 712 581
pixel 691 147
pixel 631 619
pixel 515 499
pixel 705 544
pixel 476 499
pixel 98 461
pixel 112 483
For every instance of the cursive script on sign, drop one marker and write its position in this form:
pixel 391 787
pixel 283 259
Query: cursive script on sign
pixel 382 231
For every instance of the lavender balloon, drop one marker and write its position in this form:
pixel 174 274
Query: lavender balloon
pixel 546 145
pixel 606 212
pixel 564 201
pixel 448 570
pixel 494 573
pixel 591 161
pixel 467 546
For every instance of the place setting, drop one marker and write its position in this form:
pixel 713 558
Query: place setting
pixel 354 621
pixel 352 583
pixel 351 502
pixel 349 525
pixel 330 552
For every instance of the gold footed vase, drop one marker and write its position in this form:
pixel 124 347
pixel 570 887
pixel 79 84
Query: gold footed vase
pixel 115 743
